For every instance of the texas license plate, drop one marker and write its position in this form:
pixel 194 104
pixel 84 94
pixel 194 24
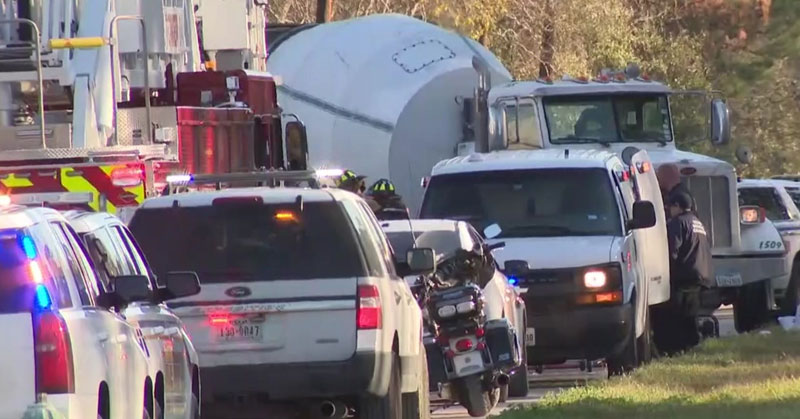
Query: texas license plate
pixel 530 337
pixel 729 280
pixel 469 363
pixel 240 330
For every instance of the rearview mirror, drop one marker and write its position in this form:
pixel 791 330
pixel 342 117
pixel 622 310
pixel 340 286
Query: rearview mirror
pixel 180 284
pixel 296 146
pixel 516 267
pixel 492 231
pixel 720 122
pixel 131 288
pixel 420 261
pixel 644 215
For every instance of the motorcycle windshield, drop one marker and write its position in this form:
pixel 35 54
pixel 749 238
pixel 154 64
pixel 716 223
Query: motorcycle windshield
pixel 445 244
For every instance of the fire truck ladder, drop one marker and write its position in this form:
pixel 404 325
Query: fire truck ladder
pixel 22 61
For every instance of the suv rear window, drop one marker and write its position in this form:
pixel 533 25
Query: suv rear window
pixel 244 242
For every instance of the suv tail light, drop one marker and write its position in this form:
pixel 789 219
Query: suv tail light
pixel 368 313
pixel 53 354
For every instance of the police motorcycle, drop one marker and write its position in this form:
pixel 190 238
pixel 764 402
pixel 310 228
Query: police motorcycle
pixel 469 357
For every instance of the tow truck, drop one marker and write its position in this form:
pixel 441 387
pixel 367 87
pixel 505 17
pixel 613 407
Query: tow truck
pixel 109 97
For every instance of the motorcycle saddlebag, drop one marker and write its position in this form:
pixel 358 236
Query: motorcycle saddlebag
pixel 502 343
pixel 436 368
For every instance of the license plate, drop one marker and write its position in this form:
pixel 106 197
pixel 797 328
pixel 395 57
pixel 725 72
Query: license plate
pixel 240 330
pixel 729 280
pixel 530 337
pixel 468 363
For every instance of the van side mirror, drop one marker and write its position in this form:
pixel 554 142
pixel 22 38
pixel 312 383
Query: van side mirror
pixel 492 231
pixel 516 268
pixel 179 284
pixel 720 123
pixel 420 261
pixel 644 215
pixel 296 146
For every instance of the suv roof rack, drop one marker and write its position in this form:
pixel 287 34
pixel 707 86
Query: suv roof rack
pixel 275 178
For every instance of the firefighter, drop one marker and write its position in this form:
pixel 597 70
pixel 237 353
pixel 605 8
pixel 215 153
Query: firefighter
pixel 675 322
pixel 354 183
pixel 385 194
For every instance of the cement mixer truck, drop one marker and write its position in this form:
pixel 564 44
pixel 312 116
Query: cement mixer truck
pixel 390 96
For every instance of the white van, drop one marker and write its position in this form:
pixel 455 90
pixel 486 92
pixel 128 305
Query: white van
pixel 585 238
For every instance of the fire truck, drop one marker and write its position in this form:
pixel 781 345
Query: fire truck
pixel 100 100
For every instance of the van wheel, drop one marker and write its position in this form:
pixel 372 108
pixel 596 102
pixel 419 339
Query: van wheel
pixel 388 406
pixel 417 405
pixel 644 343
pixel 627 360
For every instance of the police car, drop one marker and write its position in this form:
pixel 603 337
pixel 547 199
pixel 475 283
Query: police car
pixel 60 337
pixel 173 363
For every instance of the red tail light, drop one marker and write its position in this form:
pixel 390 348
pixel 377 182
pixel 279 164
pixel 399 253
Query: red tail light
pixel 368 315
pixel 53 352
pixel 479 332
pixel 127 176
pixel 464 344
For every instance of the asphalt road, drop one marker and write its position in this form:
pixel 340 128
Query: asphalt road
pixel 548 381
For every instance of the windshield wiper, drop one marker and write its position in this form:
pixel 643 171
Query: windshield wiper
pixel 583 140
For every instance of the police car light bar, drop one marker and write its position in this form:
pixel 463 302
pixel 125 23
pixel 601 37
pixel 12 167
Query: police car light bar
pixel 271 176
pixel 52 198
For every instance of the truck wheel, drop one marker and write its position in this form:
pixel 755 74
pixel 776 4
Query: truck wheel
pixel 792 297
pixel 644 343
pixel 518 384
pixel 627 360
pixel 750 307
pixel 417 405
pixel 388 406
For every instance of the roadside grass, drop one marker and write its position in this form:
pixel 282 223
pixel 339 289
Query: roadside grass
pixel 749 376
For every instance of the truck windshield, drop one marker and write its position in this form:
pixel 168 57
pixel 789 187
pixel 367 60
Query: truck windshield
pixel 528 203
pixel 250 242
pixel 608 119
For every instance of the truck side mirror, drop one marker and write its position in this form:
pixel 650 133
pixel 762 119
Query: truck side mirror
pixel 720 123
pixel 516 268
pixel 644 215
pixel 296 146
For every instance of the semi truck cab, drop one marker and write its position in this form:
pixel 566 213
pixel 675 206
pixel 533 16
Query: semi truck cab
pixel 626 110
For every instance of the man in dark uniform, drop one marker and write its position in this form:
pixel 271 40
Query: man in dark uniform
pixel 691 269
pixel 669 180
pixel 385 195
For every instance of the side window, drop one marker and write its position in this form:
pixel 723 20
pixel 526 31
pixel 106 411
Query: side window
pixel 69 263
pixel 134 253
pixel 113 262
pixel 380 238
pixel 369 247
pixel 84 261
pixel 521 125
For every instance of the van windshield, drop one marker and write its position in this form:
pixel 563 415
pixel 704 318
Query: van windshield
pixel 250 242
pixel 528 203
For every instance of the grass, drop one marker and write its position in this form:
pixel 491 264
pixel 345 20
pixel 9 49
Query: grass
pixel 744 377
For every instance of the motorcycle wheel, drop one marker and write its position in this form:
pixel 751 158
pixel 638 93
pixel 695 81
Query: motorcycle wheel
pixel 473 397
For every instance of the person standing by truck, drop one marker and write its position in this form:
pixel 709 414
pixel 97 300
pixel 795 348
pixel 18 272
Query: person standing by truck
pixel 691 269
pixel 669 180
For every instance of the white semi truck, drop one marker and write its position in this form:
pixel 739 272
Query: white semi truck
pixel 390 96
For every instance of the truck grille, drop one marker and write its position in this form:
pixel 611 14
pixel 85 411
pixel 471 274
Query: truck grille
pixel 712 196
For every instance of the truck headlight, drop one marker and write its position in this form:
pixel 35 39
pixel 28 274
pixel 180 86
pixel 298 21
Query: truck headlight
pixel 594 279
pixel 446 311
